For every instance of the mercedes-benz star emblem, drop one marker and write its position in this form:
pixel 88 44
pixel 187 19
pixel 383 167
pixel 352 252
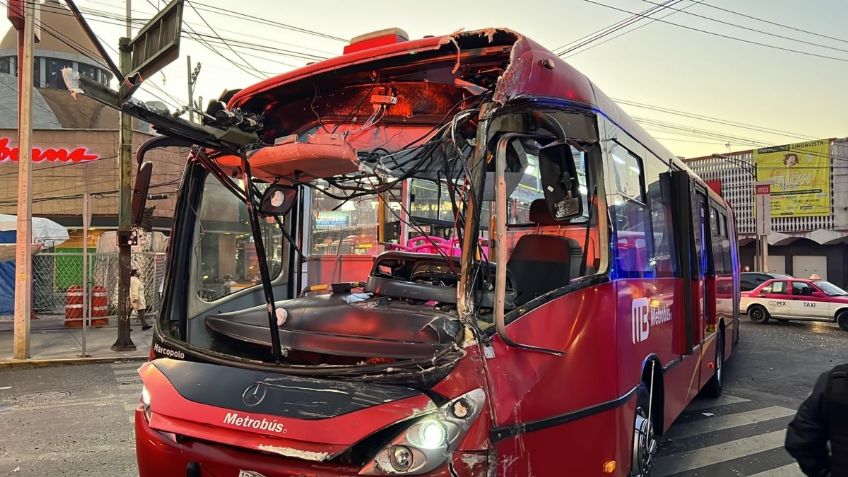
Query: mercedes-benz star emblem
pixel 254 394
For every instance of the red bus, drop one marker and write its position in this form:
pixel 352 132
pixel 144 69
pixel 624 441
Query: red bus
pixel 586 291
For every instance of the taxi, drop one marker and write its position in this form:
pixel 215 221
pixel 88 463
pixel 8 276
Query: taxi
pixel 789 298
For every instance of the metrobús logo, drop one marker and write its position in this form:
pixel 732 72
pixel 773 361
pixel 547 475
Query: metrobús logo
pixel 171 353
pixel 263 424
pixel 645 314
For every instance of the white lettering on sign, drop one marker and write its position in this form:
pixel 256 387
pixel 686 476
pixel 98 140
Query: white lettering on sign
pixel 263 424
pixel 645 314
pixel 640 317
pixel 171 353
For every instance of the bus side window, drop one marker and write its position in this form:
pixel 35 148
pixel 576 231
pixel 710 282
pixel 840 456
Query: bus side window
pixel 632 218
pixel 715 241
pixel 659 200
pixel 725 244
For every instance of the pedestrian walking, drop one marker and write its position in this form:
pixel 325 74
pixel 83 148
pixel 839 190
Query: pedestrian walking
pixel 137 298
pixel 818 435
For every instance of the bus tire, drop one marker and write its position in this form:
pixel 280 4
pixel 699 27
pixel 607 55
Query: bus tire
pixel 715 385
pixel 758 314
pixel 842 319
pixel 644 439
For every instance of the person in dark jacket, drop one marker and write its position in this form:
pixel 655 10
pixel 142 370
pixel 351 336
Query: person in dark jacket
pixel 818 435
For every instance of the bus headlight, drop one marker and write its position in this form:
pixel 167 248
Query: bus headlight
pixel 429 440
pixel 145 401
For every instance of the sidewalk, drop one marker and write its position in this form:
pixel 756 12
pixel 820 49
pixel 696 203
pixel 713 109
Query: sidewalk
pixel 52 343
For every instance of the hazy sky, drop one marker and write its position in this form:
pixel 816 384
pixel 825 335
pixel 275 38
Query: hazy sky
pixel 660 65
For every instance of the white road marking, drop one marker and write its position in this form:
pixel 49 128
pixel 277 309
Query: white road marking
pixel 703 403
pixel 728 421
pixel 791 470
pixel 126 365
pixel 716 454
pixel 121 371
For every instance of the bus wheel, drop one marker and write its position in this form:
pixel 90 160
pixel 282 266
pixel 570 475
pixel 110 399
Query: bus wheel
pixel 842 319
pixel 644 440
pixel 715 385
pixel 758 314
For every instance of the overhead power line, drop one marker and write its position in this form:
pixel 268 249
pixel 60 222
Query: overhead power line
pixel 713 119
pixel 747 28
pixel 789 27
pixel 729 37
pixel 650 21
pixel 598 34
pixel 265 21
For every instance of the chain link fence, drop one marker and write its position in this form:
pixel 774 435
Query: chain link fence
pixel 55 273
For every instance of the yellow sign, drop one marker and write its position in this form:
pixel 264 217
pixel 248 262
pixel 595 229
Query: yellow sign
pixel 800 178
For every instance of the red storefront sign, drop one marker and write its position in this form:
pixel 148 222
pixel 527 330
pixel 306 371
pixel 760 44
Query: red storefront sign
pixel 80 154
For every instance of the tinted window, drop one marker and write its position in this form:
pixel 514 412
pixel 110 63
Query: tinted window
pixel 801 288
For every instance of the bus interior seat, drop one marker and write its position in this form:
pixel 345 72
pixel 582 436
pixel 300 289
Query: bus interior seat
pixel 542 262
pixel 541 216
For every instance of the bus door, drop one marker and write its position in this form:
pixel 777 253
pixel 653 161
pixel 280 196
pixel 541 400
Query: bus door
pixel 688 211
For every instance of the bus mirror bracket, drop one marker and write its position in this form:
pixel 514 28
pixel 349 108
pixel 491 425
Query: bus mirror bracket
pixel 139 192
pixel 500 245
pixel 277 200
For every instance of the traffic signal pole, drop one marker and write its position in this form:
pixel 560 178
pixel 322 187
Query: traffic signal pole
pixel 124 341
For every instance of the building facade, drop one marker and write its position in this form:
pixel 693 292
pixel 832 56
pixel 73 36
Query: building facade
pixel 801 243
pixel 64 127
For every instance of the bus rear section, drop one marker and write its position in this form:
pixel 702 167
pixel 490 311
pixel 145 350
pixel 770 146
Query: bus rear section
pixel 580 291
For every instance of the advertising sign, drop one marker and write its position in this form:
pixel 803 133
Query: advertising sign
pixel 80 154
pixel 799 175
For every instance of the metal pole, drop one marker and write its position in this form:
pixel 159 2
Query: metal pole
pixel 190 89
pixel 23 259
pixel 764 253
pixel 86 301
pixel 124 341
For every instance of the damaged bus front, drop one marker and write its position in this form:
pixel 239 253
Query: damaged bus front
pixel 469 360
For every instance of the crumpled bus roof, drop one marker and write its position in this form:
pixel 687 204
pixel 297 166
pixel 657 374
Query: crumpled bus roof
pixel 533 71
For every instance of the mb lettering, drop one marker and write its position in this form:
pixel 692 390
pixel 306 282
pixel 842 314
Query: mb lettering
pixel 644 315
pixel 250 423
pixel 171 353
pixel 640 320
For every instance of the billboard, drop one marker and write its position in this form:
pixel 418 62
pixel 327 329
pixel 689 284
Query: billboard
pixel 799 175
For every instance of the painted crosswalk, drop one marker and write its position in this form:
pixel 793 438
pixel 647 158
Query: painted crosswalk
pixel 732 436
pixel 128 385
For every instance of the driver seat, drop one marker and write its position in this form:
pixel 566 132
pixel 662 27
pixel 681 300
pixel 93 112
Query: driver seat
pixel 540 263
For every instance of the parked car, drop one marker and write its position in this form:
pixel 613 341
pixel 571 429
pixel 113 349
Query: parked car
pixel 787 298
pixel 750 280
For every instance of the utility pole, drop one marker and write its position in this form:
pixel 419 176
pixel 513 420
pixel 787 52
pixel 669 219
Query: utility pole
pixel 124 341
pixel 23 257
pixel 192 80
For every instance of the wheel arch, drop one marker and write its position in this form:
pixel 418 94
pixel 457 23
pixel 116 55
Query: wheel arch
pixel 838 311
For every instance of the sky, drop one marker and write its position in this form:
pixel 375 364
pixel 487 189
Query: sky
pixel 706 78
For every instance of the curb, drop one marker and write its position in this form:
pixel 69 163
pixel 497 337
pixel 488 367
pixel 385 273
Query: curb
pixel 35 363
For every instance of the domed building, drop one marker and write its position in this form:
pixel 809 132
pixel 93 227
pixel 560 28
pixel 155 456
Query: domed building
pixel 61 122
pixel 64 127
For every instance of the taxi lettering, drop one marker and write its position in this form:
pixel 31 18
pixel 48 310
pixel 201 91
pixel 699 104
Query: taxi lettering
pixel 809 304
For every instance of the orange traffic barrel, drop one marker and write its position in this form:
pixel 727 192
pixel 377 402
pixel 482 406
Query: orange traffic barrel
pixel 73 307
pixel 99 307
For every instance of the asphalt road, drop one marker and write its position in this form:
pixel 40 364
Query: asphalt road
pixel 76 420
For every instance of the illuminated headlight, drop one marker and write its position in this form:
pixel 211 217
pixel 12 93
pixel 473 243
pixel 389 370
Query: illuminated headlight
pixel 145 401
pixel 429 440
